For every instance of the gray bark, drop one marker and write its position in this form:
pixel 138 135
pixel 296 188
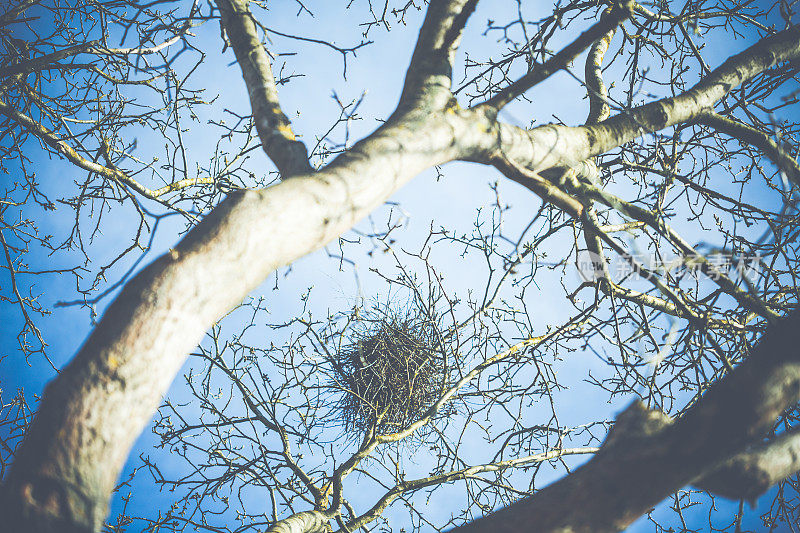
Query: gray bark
pixel 749 474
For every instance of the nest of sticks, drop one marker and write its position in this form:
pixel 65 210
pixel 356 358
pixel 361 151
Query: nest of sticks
pixel 390 371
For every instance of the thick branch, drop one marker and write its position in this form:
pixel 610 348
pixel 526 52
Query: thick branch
pixel 750 474
pixel 89 47
pixel 39 62
pixel 274 128
pixel 554 145
pixel 304 522
pixel 599 110
pixel 91 414
pixel 430 73
pixel 543 188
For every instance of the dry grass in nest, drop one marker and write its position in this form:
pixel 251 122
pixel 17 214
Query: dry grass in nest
pixel 392 369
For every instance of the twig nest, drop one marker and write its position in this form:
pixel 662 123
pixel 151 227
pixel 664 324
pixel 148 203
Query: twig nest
pixel 390 371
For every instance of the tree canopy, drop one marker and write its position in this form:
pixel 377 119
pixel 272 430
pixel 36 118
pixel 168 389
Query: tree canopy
pixel 582 307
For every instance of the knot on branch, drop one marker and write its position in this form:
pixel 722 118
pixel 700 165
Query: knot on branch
pixel 47 504
pixel 635 423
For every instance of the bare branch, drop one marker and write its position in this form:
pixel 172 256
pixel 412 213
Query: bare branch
pixel 464 473
pixel 749 135
pixel 274 128
pixel 111 172
pixel 607 23
pixel 643 459
pixel 552 145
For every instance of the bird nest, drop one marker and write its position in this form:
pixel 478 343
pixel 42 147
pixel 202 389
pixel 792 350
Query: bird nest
pixel 390 371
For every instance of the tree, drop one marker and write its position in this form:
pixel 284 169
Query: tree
pixel 675 138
